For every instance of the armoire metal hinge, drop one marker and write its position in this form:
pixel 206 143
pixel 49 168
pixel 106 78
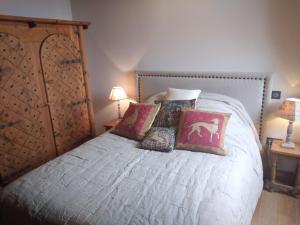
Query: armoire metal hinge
pixel 32 24
pixel 1 180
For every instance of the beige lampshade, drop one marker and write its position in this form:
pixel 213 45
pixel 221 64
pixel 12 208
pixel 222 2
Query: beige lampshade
pixel 290 109
pixel 117 93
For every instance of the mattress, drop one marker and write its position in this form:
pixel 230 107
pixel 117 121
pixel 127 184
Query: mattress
pixel 109 181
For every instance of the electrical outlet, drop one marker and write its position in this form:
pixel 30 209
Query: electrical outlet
pixel 276 94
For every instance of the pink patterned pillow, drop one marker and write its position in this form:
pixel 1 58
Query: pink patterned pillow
pixel 202 131
pixel 137 120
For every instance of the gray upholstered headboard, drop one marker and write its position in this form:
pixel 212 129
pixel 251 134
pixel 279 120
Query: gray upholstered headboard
pixel 248 88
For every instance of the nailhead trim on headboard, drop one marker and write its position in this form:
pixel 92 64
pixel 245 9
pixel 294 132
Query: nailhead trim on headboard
pixel 211 75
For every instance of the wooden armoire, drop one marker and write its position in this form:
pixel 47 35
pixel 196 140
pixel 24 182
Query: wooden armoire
pixel 45 101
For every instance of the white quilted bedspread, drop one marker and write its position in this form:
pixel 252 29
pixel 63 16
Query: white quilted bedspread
pixel 109 181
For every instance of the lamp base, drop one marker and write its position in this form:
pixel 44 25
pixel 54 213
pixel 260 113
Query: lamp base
pixel 288 141
pixel 288 145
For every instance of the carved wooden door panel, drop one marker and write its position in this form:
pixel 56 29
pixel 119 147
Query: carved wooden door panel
pixel 25 128
pixel 65 87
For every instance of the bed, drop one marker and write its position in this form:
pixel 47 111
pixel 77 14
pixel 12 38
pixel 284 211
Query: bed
pixel 108 180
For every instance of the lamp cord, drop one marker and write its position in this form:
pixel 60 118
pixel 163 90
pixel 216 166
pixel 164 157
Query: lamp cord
pixel 119 110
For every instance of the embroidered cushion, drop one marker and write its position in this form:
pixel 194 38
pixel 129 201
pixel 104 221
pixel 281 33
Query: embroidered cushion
pixel 137 120
pixel 159 139
pixel 169 113
pixel 202 131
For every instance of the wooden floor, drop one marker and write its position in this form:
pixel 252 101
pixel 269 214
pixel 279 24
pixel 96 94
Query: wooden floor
pixel 277 209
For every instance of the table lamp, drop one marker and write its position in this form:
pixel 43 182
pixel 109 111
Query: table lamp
pixel 290 110
pixel 117 94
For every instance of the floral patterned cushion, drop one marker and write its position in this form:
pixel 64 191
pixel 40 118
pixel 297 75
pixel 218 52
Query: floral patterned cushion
pixel 202 131
pixel 169 113
pixel 137 120
pixel 159 139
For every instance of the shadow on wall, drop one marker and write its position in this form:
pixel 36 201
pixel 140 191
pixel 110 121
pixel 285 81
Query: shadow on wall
pixel 113 51
pixel 284 34
pixel 285 39
pixel 189 36
pixel 105 109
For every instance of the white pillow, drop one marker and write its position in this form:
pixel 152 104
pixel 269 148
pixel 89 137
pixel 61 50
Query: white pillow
pixel 182 94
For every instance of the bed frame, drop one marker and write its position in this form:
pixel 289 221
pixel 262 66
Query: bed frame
pixel 248 88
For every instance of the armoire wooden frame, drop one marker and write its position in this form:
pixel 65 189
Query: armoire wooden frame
pixel 45 98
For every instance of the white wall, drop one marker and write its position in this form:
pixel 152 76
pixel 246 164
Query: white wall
pixel 56 9
pixel 191 35
pixel 177 35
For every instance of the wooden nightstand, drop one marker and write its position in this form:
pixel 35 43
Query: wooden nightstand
pixel 276 152
pixel 111 124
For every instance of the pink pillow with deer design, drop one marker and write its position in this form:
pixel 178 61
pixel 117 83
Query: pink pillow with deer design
pixel 202 131
pixel 137 120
